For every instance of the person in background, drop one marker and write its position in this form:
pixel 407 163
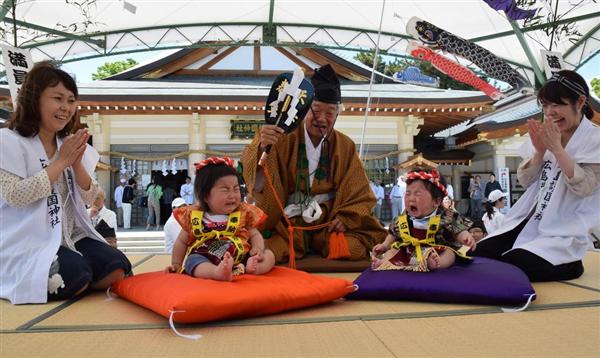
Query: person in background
pixel 547 232
pixel 491 186
pixel 118 197
pixel 493 218
pixel 154 193
pixel 450 189
pixel 187 191
pixel 372 186
pixel 478 230
pixel 128 197
pixel 168 195
pixel 172 227
pixel 49 249
pixel 378 191
pixel 476 194
pixel 397 197
pixel 447 203
pixel 104 220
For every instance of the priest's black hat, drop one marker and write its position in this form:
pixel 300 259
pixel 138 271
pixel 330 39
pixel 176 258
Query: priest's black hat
pixel 326 85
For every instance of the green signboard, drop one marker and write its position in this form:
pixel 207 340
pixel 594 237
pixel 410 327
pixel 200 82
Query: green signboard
pixel 244 129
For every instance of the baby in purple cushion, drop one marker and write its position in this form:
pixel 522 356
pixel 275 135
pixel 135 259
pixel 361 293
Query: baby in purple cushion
pixel 424 237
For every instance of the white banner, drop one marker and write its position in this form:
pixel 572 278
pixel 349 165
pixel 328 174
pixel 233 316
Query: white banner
pixel 504 180
pixel 17 63
pixel 553 62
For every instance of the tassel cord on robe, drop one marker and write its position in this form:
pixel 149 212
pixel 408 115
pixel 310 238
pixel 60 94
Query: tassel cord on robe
pixel 337 241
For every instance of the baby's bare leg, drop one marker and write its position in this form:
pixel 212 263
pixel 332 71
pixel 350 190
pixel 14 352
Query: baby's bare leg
pixel 447 258
pixel 221 272
pixel 386 256
pixel 256 267
pixel 433 260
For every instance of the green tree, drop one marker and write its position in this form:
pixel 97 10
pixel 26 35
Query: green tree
pixel 111 68
pixel 367 59
pixel 596 86
pixel 397 65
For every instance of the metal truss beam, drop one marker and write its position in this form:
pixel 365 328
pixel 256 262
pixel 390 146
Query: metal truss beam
pixel 66 35
pixel 536 69
pixel 536 27
pixel 285 28
pixel 269 31
pixel 6 5
pixel 582 40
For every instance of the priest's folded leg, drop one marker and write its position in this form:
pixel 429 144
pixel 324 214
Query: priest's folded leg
pixel 357 244
pixel 278 243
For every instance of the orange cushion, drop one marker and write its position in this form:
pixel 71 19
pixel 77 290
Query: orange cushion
pixel 201 300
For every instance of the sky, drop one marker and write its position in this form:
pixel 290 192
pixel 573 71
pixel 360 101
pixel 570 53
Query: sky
pixel 83 70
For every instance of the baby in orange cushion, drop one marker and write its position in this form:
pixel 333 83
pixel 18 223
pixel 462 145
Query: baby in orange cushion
pixel 220 234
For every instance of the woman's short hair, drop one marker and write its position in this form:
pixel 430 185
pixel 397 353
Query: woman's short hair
pixel 26 119
pixel 100 194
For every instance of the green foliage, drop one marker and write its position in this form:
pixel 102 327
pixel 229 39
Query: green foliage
pixel 368 57
pixel 548 20
pixel 111 68
pixel 596 86
pixel 426 68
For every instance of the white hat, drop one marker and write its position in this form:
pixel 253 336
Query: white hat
pixel 123 180
pixel 177 202
pixel 496 195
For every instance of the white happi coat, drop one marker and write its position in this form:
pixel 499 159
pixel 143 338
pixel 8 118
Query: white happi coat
pixel 560 226
pixel 30 236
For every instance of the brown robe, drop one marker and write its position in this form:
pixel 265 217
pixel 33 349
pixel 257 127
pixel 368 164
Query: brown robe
pixel 352 205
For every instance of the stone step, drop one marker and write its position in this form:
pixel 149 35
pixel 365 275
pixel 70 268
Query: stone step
pixel 142 250
pixel 140 234
pixel 140 239
pixel 139 243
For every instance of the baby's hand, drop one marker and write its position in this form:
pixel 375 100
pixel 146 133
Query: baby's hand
pixel 173 268
pixel 379 249
pixel 465 238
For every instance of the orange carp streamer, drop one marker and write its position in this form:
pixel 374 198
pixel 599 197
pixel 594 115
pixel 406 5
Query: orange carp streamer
pixel 453 69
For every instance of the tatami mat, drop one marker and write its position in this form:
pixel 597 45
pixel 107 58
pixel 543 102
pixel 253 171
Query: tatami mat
pixel 153 263
pixel 95 310
pixel 23 316
pixel 95 325
pixel 14 316
pixel 137 259
pixel 557 333
pixel 591 277
pixel 342 339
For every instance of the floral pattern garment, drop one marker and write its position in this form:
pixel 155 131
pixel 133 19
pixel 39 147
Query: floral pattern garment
pixel 215 246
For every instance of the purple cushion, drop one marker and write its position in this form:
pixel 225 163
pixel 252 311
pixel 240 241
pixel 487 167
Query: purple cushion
pixel 482 281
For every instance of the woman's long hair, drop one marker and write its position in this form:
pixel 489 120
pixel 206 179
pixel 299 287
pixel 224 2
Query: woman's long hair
pixel 489 208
